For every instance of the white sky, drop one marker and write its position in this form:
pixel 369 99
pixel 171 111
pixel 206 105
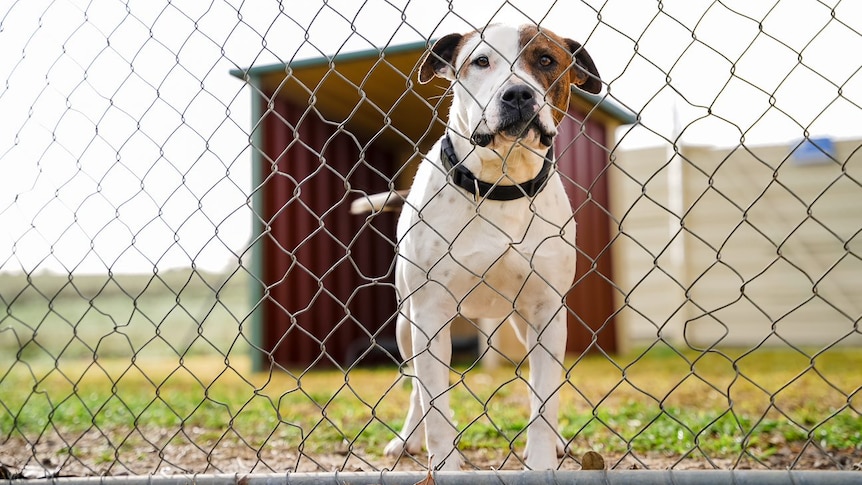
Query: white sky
pixel 124 140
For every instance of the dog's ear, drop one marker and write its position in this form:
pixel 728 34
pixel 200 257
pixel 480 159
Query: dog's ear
pixel 584 72
pixel 440 60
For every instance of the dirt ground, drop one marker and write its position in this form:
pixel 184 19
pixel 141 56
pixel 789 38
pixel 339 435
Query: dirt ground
pixel 92 455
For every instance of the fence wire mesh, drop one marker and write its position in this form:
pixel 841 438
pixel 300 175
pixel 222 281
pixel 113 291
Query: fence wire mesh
pixel 185 288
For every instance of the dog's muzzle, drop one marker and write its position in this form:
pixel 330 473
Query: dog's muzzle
pixel 519 113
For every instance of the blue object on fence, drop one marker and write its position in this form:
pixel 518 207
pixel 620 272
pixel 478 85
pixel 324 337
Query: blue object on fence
pixel 813 151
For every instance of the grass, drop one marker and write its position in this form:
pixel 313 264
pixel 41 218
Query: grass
pixel 160 360
pixel 606 406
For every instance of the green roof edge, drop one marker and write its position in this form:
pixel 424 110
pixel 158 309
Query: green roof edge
pixel 324 60
pixel 601 102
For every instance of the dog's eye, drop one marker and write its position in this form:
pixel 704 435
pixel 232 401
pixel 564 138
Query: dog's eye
pixel 546 61
pixel 482 61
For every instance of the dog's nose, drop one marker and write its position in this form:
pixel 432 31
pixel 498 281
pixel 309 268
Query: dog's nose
pixel 518 97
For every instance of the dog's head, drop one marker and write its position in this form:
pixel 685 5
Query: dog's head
pixel 510 84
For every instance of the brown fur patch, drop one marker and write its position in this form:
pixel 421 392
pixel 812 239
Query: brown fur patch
pixel 440 59
pixel 556 78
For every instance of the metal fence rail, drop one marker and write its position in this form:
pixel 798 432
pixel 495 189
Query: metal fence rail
pixel 621 477
pixel 184 289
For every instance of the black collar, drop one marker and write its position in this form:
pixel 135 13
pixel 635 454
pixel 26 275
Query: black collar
pixel 464 178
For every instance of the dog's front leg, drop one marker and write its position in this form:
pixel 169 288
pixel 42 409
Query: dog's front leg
pixel 546 347
pixel 412 434
pixel 432 347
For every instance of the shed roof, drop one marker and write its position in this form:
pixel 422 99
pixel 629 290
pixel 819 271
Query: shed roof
pixel 374 93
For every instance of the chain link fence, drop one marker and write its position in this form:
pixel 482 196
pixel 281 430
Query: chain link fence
pixel 185 289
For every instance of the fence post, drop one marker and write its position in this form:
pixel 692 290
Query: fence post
pixel 255 292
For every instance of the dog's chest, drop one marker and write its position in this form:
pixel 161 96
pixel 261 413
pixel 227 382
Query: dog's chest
pixel 492 249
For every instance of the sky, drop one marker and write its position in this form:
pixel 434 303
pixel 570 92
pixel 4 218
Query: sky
pixel 124 142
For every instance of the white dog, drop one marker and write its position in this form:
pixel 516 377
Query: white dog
pixel 487 231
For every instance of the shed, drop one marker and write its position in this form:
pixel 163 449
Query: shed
pixel 328 130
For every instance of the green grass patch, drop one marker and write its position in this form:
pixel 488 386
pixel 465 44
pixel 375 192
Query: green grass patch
pixel 645 403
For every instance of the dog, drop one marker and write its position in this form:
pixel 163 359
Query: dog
pixel 487 231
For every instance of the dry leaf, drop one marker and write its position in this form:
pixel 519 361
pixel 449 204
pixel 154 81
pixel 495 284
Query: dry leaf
pixel 428 480
pixel 592 461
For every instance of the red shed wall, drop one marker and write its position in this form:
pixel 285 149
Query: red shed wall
pixel 327 272
pixel 582 158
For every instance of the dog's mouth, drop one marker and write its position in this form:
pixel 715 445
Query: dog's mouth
pixel 516 130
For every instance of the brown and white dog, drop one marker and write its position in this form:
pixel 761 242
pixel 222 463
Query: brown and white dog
pixel 487 231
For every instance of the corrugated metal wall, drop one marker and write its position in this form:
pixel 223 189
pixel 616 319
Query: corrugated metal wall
pixel 327 272
pixel 582 158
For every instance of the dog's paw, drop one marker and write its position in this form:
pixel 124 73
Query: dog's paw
pixel 542 463
pixel 398 446
pixel 452 463
pixel 543 457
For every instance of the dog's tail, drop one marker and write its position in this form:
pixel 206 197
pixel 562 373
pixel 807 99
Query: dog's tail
pixel 382 202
